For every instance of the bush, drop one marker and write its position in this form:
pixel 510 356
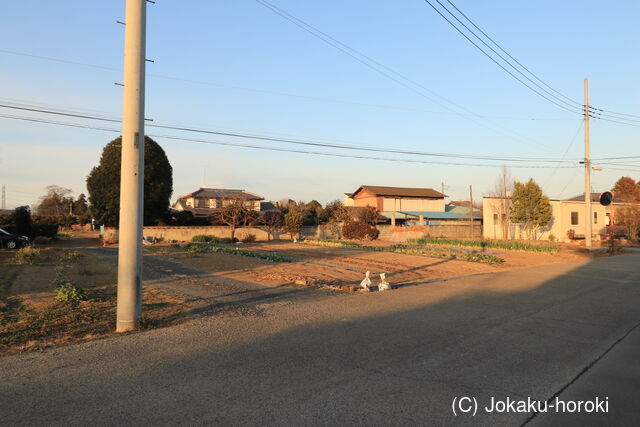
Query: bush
pixel 359 231
pixel 249 238
pixel 68 292
pixel 208 238
pixel 45 230
pixel 27 255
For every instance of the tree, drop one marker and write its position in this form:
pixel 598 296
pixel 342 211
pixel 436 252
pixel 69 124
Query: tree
pixel 103 184
pixel 234 214
pixel 627 189
pixel 502 190
pixel 273 221
pixel 57 202
pixel 629 217
pixel 81 207
pixel 313 212
pixel 368 215
pixel 335 212
pixel 22 221
pixel 293 220
pixel 530 207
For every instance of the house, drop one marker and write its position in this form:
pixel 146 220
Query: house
pixel 567 214
pixel 404 205
pixel 206 201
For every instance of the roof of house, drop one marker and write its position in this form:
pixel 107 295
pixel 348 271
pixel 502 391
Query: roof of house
pixel 401 192
pixel 268 206
pixel 459 203
pixel 219 193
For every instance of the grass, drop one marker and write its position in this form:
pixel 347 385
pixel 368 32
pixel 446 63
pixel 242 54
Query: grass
pixel 410 250
pixel 493 244
pixel 196 248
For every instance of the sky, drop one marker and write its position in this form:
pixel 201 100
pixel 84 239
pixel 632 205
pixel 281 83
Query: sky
pixel 237 66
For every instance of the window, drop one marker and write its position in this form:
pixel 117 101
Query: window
pixel 495 217
pixel 595 217
pixel 201 203
pixel 574 218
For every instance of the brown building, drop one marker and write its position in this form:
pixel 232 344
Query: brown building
pixel 206 201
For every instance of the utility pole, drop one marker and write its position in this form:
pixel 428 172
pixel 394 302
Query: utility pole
pixel 442 187
pixel 471 211
pixel 132 170
pixel 587 170
pixel 3 198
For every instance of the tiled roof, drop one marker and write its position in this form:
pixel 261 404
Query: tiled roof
pixel 218 193
pixel 401 191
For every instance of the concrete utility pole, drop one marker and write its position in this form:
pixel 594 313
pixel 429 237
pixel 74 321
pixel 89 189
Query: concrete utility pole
pixel 471 211
pixel 587 170
pixel 3 199
pixel 132 170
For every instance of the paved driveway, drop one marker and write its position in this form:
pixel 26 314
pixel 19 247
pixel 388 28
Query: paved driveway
pixel 390 358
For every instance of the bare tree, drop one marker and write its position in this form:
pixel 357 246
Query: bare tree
pixel 234 214
pixel 273 221
pixel 503 190
pixel 368 215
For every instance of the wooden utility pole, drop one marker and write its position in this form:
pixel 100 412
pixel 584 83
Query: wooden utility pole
pixel 129 305
pixel 587 170
pixel 471 211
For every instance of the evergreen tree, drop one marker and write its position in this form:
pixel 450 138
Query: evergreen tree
pixel 530 207
pixel 103 184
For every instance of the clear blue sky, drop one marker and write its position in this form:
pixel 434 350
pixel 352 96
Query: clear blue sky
pixel 241 44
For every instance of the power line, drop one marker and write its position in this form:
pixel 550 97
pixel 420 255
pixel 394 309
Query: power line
pixel 510 56
pixel 493 59
pixel 288 150
pixel 280 93
pixel 386 71
pixel 294 141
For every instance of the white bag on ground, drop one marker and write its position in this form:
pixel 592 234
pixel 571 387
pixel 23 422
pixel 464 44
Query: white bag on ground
pixel 383 286
pixel 366 282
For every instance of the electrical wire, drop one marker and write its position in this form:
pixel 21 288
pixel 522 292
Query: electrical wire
pixel 510 56
pixel 496 62
pixel 270 148
pixel 280 93
pixel 292 141
pixel 506 61
pixel 388 72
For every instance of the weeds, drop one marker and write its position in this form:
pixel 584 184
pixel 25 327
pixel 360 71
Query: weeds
pixel 410 250
pixel 194 248
pixel 505 245
pixel 27 255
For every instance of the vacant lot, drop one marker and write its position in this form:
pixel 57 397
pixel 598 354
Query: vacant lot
pixel 182 281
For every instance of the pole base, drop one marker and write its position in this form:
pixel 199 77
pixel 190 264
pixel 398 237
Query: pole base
pixel 126 325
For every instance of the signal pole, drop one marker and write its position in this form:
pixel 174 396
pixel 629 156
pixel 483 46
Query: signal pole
pixel 587 169
pixel 129 303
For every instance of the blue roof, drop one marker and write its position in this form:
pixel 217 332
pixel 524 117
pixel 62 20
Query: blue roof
pixel 439 215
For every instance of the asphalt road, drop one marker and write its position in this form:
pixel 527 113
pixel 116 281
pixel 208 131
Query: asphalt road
pixel 390 358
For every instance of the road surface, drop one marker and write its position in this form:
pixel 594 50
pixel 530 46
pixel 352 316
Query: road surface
pixel 393 358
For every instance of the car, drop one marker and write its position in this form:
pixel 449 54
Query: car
pixel 12 241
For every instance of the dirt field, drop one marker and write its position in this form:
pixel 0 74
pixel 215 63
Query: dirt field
pixel 181 283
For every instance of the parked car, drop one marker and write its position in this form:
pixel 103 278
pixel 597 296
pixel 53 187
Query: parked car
pixel 12 241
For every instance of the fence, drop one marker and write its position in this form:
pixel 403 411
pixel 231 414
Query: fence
pixel 185 234
pixel 452 231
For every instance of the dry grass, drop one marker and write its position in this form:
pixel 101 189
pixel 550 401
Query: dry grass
pixel 30 318
pixel 28 324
